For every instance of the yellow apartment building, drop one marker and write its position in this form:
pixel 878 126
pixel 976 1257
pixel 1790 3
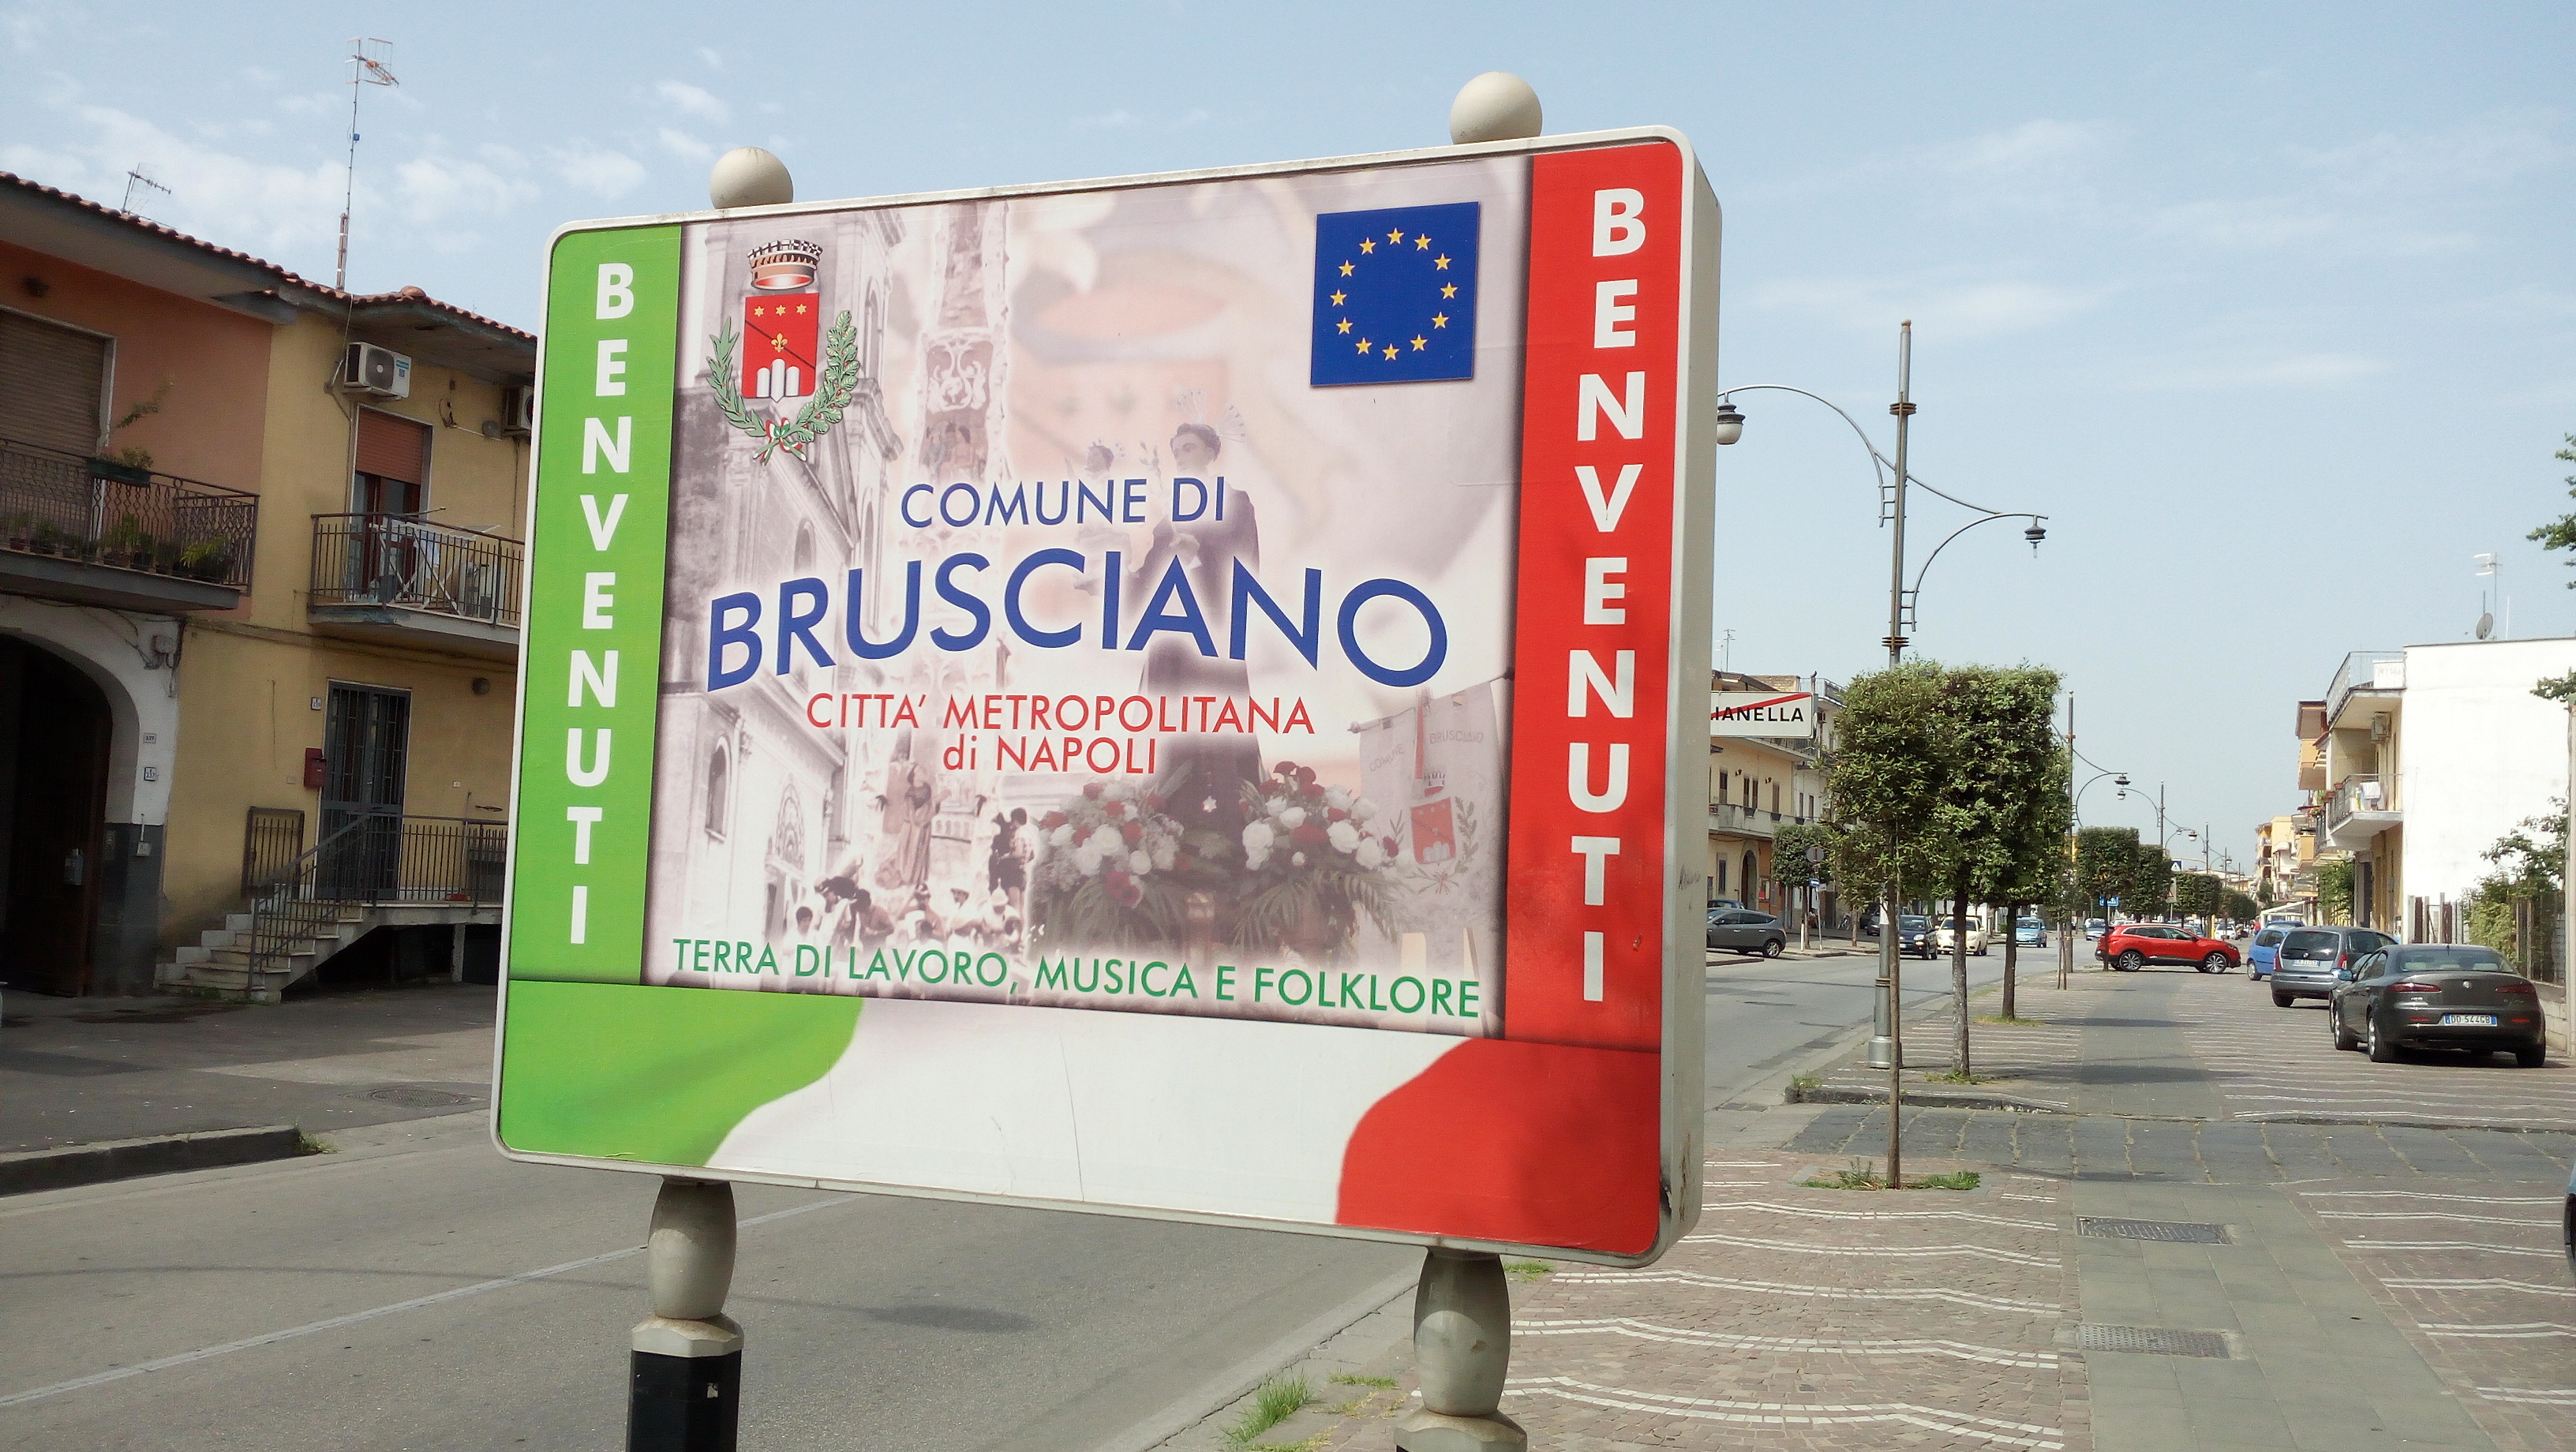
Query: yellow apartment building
pixel 259 615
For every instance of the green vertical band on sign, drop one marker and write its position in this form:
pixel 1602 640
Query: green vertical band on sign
pixel 593 623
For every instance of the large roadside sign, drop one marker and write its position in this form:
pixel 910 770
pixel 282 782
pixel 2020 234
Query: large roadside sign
pixel 1175 696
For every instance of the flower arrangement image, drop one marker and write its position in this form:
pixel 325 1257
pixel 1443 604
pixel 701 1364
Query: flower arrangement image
pixel 1314 859
pixel 1108 868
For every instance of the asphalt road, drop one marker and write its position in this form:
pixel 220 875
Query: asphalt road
pixel 283 1305
pixel 1765 1014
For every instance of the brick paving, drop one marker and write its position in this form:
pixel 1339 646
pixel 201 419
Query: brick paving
pixel 2480 1282
pixel 1803 1318
pixel 2281 1063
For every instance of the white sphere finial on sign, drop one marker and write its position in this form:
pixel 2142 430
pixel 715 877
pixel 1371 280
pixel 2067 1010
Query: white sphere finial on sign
pixel 1496 106
pixel 749 177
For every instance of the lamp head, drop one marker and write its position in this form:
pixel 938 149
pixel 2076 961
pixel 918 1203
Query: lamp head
pixel 2121 780
pixel 1729 424
pixel 2035 534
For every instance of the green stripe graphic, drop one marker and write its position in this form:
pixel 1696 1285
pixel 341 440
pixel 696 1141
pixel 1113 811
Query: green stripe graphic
pixel 593 621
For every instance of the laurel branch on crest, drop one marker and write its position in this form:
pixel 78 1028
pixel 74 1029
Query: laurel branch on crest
pixel 832 391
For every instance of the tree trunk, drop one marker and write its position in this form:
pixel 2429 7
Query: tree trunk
pixel 1959 978
pixel 2012 953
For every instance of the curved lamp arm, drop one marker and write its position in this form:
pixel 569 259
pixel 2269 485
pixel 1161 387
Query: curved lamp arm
pixel 1878 459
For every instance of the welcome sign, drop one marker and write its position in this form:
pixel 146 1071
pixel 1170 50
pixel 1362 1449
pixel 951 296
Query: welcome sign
pixel 1152 696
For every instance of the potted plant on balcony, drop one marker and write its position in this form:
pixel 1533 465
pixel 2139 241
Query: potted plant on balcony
pixel 47 540
pixel 209 559
pixel 127 546
pixel 21 529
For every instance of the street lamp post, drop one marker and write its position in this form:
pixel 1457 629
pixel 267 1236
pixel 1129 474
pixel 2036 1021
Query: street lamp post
pixel 1886 1044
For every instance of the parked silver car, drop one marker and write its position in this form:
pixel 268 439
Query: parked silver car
pixel 1743 930
pixel 2310 958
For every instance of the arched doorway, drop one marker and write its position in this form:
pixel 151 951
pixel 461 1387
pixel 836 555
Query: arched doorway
pixel 1756 891
pixel 55 733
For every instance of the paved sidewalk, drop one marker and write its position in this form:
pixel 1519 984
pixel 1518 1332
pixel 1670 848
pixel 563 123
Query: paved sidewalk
pixel 81 1070
pixel 2369 1275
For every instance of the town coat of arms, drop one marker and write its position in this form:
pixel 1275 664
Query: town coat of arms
pixel 774 359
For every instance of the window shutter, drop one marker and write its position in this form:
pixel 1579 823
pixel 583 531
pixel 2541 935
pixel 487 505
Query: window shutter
pixel 53 382
pixel 392 448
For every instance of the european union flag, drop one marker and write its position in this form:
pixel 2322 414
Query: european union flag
pixel 1395 295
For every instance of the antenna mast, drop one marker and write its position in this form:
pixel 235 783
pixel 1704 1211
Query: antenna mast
pixel 364 70
pixel 136 178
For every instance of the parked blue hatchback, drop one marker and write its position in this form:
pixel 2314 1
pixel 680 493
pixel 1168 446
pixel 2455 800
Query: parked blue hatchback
pixel 2266 949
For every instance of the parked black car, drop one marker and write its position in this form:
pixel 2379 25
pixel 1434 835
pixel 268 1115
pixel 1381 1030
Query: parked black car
pixel 2437 996
pixel 1746 931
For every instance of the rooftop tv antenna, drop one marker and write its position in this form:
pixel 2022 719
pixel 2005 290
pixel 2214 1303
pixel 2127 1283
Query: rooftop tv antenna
pixel 2490 568
pixel 136 178
pixel 364 70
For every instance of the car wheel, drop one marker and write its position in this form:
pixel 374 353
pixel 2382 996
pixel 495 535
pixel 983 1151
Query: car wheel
pixel 2132 960
pixel 1773 948
pixel 2532 1058
pixel 2280 999
pixel 2215 963
pixel 2343 1038
pixel 2383 1050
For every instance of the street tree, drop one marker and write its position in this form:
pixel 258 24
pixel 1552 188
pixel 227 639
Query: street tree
pixel 2199 893
pixel 2038 863
pixel 1789 865
pixel 2106 858
pixel 2002 756
pixel 1884 776
pixel 2150 885
pixel 2241 907
pixel 2560 534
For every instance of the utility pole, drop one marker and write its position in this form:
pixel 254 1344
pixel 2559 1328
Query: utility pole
pixel 1890 972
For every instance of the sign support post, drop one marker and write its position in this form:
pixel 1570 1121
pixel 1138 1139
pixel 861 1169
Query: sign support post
pixel 1462 1351
pixel 685 1382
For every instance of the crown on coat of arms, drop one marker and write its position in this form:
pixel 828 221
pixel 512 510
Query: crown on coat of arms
pixel 784 266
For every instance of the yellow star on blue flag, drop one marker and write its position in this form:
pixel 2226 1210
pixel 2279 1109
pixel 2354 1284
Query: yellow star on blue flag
pixel 1406 274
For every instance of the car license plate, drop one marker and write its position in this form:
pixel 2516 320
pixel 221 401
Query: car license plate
pixel 2468 1020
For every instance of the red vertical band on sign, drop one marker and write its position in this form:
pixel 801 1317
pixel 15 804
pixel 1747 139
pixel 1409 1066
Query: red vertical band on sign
pixel 1591 700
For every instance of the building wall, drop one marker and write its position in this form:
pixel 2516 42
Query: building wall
pixel 210 424
pixel 2481 754
pixel 252 676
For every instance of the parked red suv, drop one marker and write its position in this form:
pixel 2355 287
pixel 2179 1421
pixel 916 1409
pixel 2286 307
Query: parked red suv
pixel 2132 946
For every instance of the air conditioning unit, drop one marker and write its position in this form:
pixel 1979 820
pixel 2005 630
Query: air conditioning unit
pixel 366 368
pixel 519 411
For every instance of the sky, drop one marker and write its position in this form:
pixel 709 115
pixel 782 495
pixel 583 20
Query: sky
pixel 2268 309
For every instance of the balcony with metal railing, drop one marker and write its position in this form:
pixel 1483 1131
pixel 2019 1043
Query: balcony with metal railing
pixel 100 532
pixel 2357 810
pixel 400 578
pixel 1741 820
pixel 2364 672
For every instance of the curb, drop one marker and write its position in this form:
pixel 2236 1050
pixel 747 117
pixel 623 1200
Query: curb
pixel 161 1154
pixel 1918 1098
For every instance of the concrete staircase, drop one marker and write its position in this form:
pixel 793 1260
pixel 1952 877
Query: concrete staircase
pixel 221 965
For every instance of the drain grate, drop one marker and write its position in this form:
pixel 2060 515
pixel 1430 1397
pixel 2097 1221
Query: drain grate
pixel 2189 1232
pixel 2150 1340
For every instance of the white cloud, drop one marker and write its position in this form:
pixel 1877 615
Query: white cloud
pixel 259 207
pixel 692 100
pixel 2285 370
pixel 714 59
pixel 684 146
pixel 2487 152
pixel 445 189
pixel 1121 119
pixel 1956 308
pixel 600 172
